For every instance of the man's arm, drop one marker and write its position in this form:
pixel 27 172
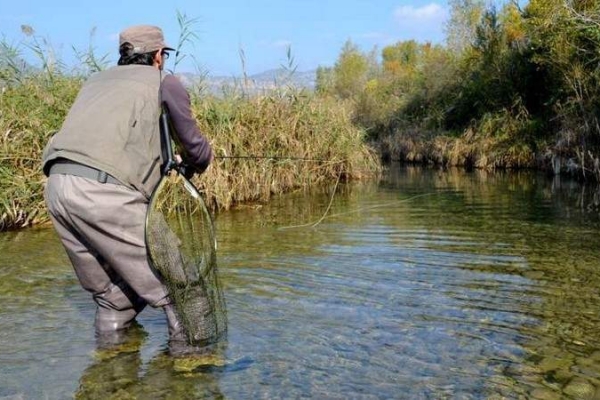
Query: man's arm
pixel 198 153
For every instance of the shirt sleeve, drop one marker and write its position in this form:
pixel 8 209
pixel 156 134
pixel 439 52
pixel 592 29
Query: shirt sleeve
pixel 198 152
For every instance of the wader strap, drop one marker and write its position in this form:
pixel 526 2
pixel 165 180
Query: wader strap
pixel 72 168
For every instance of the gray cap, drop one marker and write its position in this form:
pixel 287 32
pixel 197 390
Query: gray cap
pixel 144 38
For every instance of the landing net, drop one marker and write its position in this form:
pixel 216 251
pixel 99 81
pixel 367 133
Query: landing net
pixel 182 247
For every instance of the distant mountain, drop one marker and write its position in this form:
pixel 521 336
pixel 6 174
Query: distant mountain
pixel 263 82
pixel 304 79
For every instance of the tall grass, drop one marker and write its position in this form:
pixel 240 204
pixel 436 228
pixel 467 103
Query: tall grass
pixel 496 141
pixel 300 141
pixel 30 112
pixel 275 126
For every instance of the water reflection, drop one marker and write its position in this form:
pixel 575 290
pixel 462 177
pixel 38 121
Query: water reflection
pixel 118 370
pixel 429 284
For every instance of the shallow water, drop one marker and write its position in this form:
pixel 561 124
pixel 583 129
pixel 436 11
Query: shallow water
pixel 427 285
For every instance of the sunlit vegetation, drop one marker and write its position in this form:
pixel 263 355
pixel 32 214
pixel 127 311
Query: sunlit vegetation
pixel 266 144
pixel 511 88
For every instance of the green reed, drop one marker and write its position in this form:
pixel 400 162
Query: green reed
pixel 284 123
pixel 30 111
pixel 301 141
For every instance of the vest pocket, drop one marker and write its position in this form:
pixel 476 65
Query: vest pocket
pixel 150 170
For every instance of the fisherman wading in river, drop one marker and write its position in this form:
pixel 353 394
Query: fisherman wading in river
pixel 102 167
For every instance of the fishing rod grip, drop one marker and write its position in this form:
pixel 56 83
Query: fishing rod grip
pixel 165 141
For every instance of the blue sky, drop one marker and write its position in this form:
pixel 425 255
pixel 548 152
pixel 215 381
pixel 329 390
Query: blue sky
pixel 314 29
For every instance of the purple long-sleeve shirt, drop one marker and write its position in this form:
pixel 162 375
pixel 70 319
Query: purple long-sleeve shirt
pixel 198 152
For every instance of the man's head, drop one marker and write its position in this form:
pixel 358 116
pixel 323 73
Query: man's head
pixel 142 44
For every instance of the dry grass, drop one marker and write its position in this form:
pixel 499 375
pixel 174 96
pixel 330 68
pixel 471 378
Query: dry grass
pixel 29 113
pixel 302 141
pixel 294 125
pixel 495 142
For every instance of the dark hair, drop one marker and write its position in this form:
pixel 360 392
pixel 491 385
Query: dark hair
pixel 128 57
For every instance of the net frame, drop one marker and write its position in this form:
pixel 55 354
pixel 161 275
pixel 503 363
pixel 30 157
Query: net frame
pixel 183 250
pixel 181 243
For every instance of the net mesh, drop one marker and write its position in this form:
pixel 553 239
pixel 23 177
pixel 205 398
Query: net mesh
pixel 181 243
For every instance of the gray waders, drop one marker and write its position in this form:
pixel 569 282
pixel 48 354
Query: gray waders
pixel 101 226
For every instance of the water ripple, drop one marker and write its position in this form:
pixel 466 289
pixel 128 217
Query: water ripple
pixel 433 285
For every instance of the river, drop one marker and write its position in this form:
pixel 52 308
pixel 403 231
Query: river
pixel 428 284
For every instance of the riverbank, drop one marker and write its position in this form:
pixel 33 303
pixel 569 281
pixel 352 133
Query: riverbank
pixel 488 152
pixel 466 151
pixel 301 141
pixel 511 87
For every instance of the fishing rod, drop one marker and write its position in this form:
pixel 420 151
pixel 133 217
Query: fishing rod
pixel 274 158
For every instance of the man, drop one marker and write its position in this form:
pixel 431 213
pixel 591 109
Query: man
pixel 102 167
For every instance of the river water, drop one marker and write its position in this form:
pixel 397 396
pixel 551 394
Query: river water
pixel 427 284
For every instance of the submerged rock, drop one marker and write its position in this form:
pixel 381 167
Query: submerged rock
pixel 580 389
pixel 545 394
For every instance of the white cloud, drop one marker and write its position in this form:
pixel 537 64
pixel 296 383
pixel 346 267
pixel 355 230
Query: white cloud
pixel 430 12
pixel 421 23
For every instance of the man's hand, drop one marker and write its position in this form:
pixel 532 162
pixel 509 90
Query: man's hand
pixel 184 169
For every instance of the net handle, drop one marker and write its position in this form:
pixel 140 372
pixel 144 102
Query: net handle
pixel 165 139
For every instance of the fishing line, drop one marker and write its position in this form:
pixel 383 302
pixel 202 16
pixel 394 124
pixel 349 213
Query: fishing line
pixel 324 216
pixel 312 225
pixel 274 158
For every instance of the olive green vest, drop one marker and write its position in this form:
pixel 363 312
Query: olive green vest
pixel 114 126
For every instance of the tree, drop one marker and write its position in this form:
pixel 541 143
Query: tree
pixel 565 38
pixel 461 28
pixel 401 56
pixel 324 82
pixel 350 71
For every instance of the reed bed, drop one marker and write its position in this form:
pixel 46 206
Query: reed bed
pixel 494 142
pixel 302 142
pixel 266 144
pixel 30 112
pixel 286 142
pixel 463 151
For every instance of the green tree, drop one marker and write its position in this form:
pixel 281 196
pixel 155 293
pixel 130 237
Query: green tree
pixel 400 56
pixel 400 65
pixel 565 38
pixel 324 81
pixel 350 71
pixel 461 28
